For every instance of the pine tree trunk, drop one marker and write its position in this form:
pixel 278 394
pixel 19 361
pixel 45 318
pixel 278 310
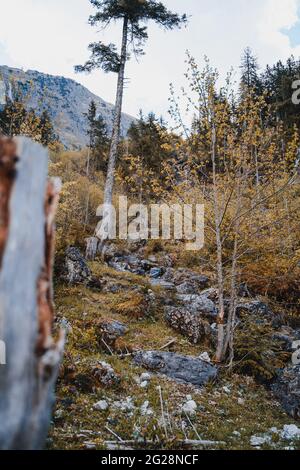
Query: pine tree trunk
pixel 110 177
pixel 108 192
pixel 32 357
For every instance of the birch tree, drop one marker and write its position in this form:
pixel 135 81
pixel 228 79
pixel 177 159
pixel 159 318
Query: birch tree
pixel 233 139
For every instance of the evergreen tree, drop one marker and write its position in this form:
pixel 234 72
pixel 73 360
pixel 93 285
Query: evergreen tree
pixel 91 117
pixel 46 128
pixel 12 116
pixel 146 139
pixel 134 14
pixel 101 145
pixel 16 120
pixel 250 79
pixel 278 80
pixel 98 139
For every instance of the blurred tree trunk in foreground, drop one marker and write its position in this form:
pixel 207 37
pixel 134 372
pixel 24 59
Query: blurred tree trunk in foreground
pixel 32 357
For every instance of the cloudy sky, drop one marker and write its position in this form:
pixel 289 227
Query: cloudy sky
pixel 52 36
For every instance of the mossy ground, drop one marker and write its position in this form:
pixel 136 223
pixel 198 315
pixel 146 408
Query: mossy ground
pixel 231 410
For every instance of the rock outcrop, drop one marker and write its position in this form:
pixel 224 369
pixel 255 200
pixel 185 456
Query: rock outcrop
pixel 287 390
pixel 189 324
pixel 77 271
pixel 76 268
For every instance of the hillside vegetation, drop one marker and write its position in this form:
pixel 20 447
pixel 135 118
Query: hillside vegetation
pixel 169 348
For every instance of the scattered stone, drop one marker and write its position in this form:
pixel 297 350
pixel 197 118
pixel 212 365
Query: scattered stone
pixel 181 368
pixel 106 375
pixel 145 376
pixel 145 410
pixel 58 414
pixel 109 331
pixel 190 408
pixel 205 357
pixel 241 401
pixel 65 325
pixel 151 296
pixel 112 287
pixel 101 405
pixel 290 432
pixel 182 275
pixel 119 265
pixel 255 307
pixel 227 390
pixel 111 251
pixel 156 273
pixel 125 261
pixel 90 446
pixel 144 384
pixel 125 406
pixel 147 265
pixel 257 441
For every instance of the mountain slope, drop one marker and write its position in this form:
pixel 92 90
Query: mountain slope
pixel 64 99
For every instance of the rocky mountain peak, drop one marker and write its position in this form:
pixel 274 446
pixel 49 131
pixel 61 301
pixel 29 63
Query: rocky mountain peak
pixel 66 101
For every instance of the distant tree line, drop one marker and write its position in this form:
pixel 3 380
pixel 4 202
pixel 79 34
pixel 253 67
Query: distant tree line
pixel 275 82
pixel 15 120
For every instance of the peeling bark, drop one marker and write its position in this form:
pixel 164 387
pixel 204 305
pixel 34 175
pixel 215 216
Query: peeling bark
pixel 8 160
pixel 27 208
pixel 45 282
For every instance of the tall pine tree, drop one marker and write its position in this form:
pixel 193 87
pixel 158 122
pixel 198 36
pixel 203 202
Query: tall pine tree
pixel 134 15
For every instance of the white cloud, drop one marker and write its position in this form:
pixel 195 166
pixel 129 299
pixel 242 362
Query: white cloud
pixel 52 36
pixel 277 18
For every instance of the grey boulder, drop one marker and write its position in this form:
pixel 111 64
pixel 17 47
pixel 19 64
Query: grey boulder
pixel 198 305
pixel 286 388
pixel 76 268
pixel 184 369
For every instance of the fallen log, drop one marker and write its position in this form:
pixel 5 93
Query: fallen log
pixel 27 377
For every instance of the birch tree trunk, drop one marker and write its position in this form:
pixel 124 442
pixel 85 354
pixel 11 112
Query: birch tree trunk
pixel 110 177
pixel 220 276
pixel 27 380
pixel 229 342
